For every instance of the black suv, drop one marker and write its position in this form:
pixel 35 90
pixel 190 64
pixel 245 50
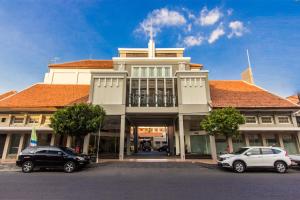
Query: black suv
pixel 51 157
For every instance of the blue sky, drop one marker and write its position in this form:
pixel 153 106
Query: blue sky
pixel 215 33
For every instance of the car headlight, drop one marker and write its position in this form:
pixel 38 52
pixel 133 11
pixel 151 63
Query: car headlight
pixel 79 158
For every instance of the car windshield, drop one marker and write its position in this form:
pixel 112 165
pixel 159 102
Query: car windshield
pixel 69 151
pixel 240 151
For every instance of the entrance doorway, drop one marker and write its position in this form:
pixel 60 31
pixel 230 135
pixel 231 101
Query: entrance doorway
pixel 151 136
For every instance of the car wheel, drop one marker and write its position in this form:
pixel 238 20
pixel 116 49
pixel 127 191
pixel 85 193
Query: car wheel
pixel 27 167
pixel 280 167
pixel 69 167
pixel 239 167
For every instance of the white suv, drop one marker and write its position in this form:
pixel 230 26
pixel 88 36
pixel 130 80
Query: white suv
pixel 258 157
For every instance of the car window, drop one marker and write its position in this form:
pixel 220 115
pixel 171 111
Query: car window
pixel 42 151
pixel 240 151
pixel 276 151
pixel 54 152
pixel 254 151
pixel 266 151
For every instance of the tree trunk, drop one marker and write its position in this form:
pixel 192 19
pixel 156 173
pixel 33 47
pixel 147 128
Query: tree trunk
pixel 61 140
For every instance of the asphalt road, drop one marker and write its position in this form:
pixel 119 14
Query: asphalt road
pixel 150 181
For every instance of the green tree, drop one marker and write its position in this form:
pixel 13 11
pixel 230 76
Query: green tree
pixel 223 121
pixel 77 120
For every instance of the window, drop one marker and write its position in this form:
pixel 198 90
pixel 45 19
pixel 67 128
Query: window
pixel 3 120
pixel 266 151
pixel 135 72
pixel 284 119
pixel 251 120
pixel 254 151
pixel 276 151
pixel 167 72
pixel 47 120
pixel 144 72
pixel 42 151
pixel 151 72
pixel 55 152
pixel 33 120
pixel 18 120
pixel 159 72
pixel 266 120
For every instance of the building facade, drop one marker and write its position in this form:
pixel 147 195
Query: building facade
pixel 144 89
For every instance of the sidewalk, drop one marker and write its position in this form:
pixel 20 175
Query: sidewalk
pixel 9 167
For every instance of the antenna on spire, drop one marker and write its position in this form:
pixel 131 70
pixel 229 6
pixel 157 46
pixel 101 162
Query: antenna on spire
pixel 249 64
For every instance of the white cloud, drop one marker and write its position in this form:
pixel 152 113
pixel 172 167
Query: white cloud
pixel 209 17
pixel 189 28
pixel 161 18
pixel 190 41
pixel 237 29
pixel 216 34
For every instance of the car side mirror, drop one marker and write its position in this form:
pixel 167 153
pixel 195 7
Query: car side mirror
pixel 248 154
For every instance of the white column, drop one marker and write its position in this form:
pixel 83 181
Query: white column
pixel 298 140
pixel 156 92
pixel 165 93
pixel 130 80
pixel 173 92
pixel 213 148
pixel 147 92
pixel 280 140
pixel 139 92
pixel 181 137
pixel 177 143
pixel 52 142
pixel 69 140
pixel 21 144
pixel 86 143
pixel 247 142
pixel 263 139
pixel 122 137
pixel 6 146
pixel 230 145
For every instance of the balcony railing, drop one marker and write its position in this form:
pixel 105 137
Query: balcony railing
pixel 155 100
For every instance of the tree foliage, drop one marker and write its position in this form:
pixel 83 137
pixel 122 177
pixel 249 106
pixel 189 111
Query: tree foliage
pixel 224 121
pixel 77 120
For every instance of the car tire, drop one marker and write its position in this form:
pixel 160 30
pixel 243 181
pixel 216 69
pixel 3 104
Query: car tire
pixel 69 167
pixel 280 167
pixel 239 167
pixel 27 166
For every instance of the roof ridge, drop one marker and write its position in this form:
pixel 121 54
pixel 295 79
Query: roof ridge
pixel 274 94
pixel 18 92
pixel 69 62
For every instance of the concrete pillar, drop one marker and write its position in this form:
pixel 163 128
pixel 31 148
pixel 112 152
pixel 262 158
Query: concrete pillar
pixel 122 137
pixel 230 144
pixel 21 144
pixel 247 142
pixel 188 143
pixel 135 139
pixel 69 140
pixel 177 143
pixel 86 143
pixel 128 143
pixel 213 148
pixel 263 139
pixel 280 140
pixel 52 142
pixel 298 140
pixel 171 139
pixel 6 146
pixel 181 137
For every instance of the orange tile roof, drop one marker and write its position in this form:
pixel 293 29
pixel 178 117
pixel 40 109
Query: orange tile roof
pixel 7 94
pixel 241 94
pixel 295 99
pixel 84 64
pixel 46 96
pixel 195 65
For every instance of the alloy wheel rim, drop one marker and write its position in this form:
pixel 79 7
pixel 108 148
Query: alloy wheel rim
pixel 27 166
pixel 280 167
pixel 69 167
pixel 239 167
